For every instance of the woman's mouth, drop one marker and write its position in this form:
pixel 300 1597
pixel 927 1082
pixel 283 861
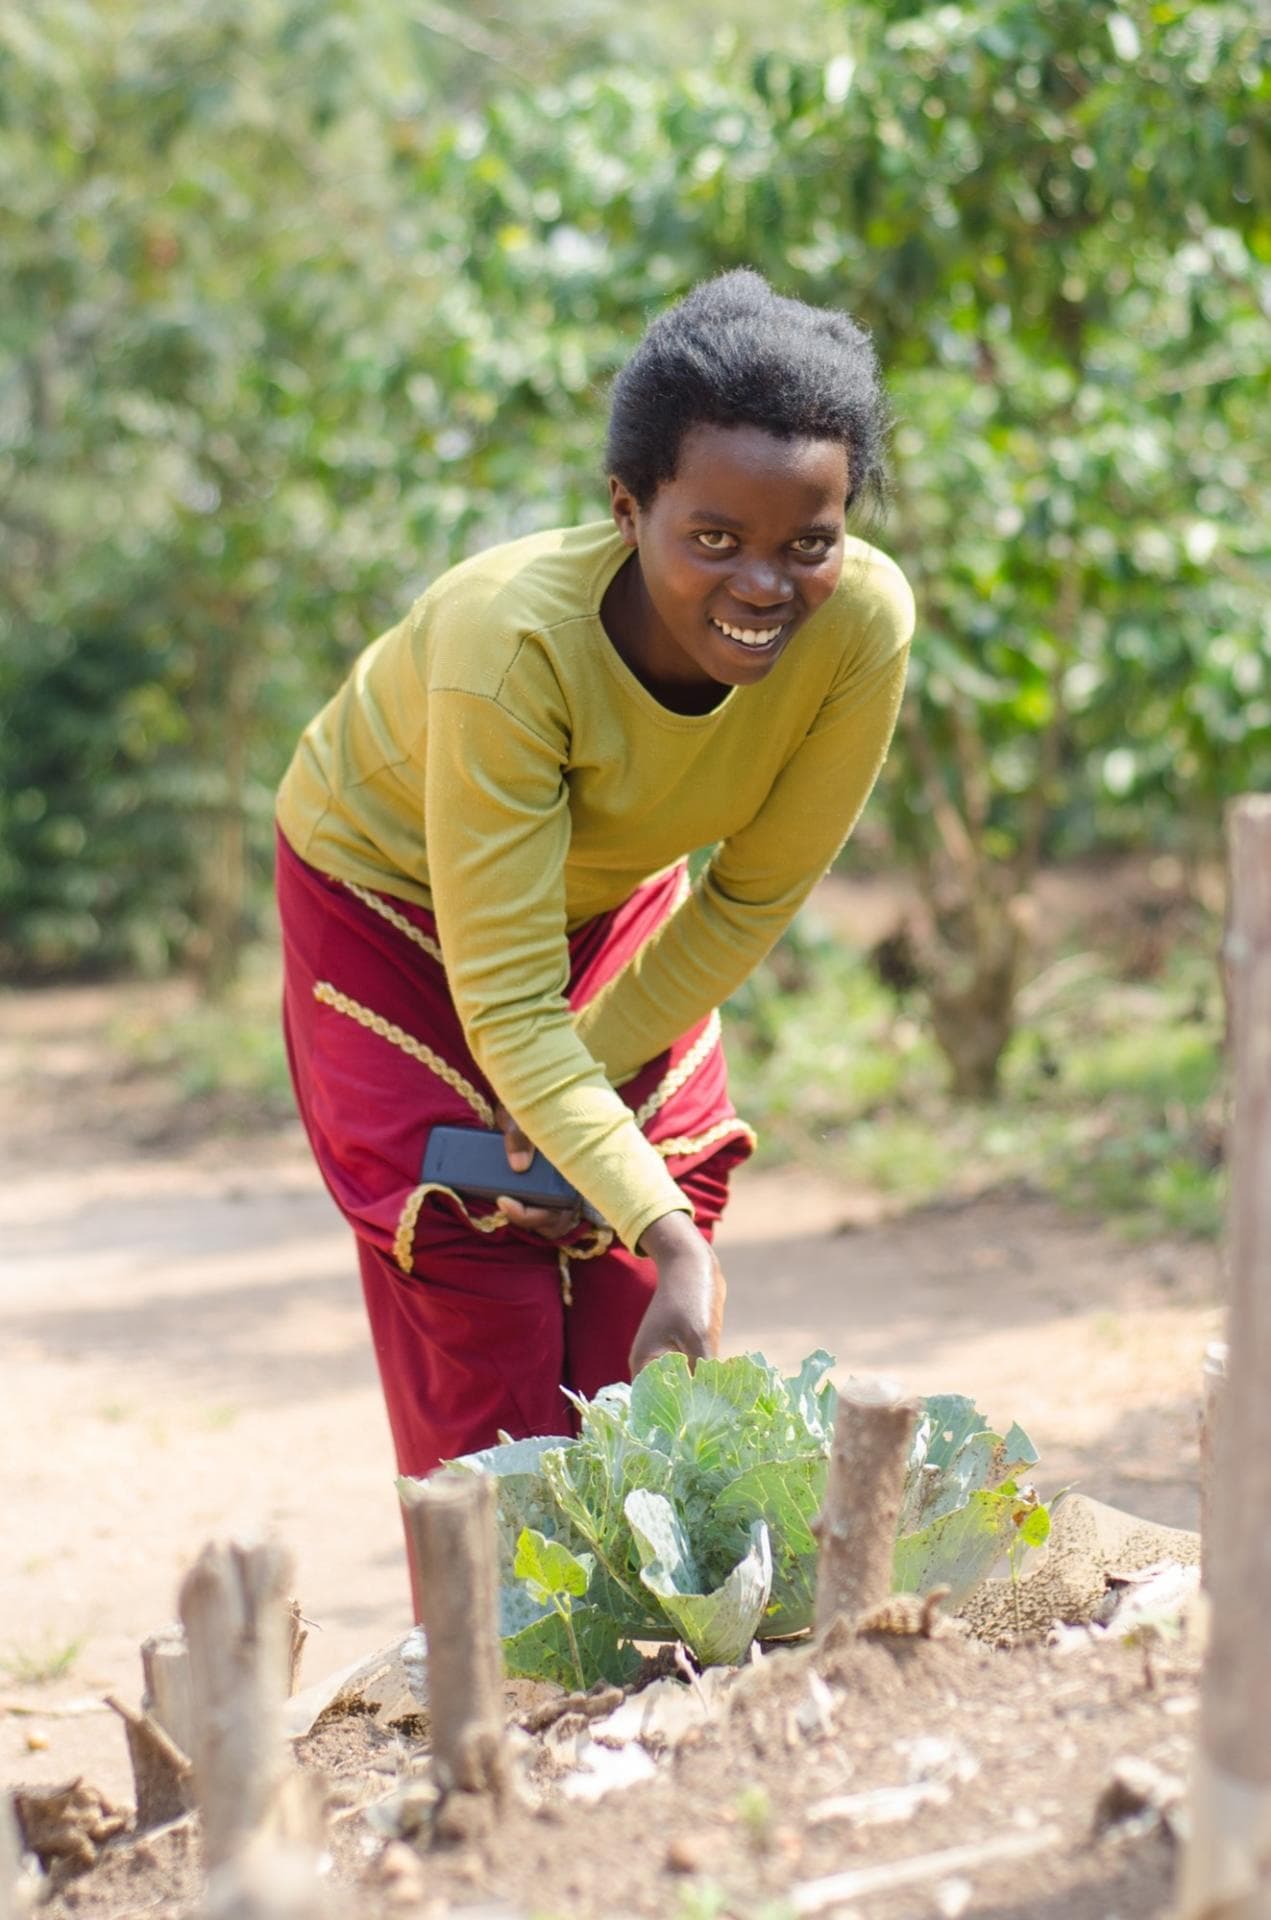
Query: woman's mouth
pixel 748 636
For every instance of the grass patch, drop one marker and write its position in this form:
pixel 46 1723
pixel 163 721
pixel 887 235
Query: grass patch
pixel 231 1048
pixel 32 1666
pixel 1111 1093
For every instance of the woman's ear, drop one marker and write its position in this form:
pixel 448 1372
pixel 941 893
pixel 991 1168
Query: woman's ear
pixel 626 512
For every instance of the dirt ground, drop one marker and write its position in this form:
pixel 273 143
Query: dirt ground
pixel 185 1356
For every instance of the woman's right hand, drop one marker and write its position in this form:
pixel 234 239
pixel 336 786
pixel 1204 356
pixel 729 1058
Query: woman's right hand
pixel 686 1312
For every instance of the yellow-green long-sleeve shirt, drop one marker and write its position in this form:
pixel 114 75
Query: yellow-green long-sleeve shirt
pixel 493 758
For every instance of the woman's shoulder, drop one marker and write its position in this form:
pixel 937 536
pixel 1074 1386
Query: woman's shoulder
pixel 873 596
pixel 863 628
pixel 473 619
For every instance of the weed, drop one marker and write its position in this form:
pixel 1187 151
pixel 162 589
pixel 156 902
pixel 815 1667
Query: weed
pixel 234 1045
pixel 32 1666
pixel 754 1811
pixel 701 1900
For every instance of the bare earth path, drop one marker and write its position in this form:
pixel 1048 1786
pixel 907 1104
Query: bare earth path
pixel 182 1354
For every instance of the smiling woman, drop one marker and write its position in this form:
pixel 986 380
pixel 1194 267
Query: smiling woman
pixel 732 556
pixel 482 873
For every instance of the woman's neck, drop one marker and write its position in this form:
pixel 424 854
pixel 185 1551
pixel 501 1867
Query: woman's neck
pixel 627 616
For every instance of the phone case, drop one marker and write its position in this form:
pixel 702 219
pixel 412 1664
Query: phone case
pixel 474 1160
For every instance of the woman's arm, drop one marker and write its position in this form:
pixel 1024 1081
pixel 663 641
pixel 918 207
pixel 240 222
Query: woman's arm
pixel 497 831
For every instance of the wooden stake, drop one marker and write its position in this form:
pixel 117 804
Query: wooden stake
pixel 1213 1379
pixel 451 1529
pixel 165 1668
pixel 297 1634
pixel 161 1734
pixel 10 1859
pixel 160 1771
pixel 273 1883
pixel 1226 1866
pixel 872 1435
pixel 234 1609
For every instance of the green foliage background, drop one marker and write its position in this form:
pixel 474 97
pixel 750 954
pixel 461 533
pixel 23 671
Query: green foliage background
pixel 307 298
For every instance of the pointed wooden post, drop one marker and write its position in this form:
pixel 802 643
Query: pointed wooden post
pixel 1213 1386
pixel 1226 1868
pixel 857 1526
pixel 451 1528
pixel 238 1629
pixel 10 1859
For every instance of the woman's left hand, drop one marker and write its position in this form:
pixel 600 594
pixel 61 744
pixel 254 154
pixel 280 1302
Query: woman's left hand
pixel 551 1223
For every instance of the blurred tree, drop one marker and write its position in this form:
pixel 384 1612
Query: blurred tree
pixel 310 297
pixel 1050 215
pixel 205 442
pixel 1063 201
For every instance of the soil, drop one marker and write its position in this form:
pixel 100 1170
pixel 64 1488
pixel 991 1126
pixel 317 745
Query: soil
pixel 186 1357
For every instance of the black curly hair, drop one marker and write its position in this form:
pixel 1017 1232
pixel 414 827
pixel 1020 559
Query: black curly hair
pixel 735 353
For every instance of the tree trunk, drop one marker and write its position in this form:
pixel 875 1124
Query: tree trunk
pixel 1226 1868
pixel 972 977
pixel 223 723
pixel 857 1527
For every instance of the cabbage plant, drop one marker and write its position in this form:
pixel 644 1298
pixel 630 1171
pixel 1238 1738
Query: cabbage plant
pixel 684 1508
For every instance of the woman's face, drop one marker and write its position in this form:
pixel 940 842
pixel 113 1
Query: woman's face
pixel 735 552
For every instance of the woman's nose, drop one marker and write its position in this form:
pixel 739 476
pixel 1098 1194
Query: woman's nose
pixel 761 584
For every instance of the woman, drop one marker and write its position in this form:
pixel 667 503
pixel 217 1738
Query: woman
pixel 482 882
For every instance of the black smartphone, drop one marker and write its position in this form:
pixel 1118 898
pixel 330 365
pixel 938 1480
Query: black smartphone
pixel 474 1160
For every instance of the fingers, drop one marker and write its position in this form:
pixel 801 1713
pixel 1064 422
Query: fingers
pixel 552 1223
pixel 717 1310
pixel 519 1150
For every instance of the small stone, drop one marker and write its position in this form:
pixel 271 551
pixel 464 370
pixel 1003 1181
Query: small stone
pixel 953 1897
pixel 399 1862
pixel 682 1856
pixel 37 1742
pixel 1138 1793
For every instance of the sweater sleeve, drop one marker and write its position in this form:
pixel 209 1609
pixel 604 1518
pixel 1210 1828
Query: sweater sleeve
pixel 757 879
pixel 496 820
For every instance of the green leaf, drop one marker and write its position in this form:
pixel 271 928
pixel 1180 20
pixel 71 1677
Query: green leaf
pixel 812 1398
pixel 958 1550
pixel 786 1495
pixel 540 1649
pixel 1034 1528
pixel 524 1494
pixel 720 1625
pixel 588 1481
pixel 548 1568
pixel 953 1453
pixel 694 1416
pixel 660 1538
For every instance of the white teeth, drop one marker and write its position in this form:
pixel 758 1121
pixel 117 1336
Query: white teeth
pixel 749 636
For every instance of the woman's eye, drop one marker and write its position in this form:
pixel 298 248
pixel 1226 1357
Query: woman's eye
pixel 715 542
pixel 812 545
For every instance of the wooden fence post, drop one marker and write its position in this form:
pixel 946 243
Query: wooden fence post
pixel 10 1858
pixel 857 1527
pixel 234 1608
pixel 1213 1387
pixel 161 1735
pixel 1226 1867
pixel 451 1528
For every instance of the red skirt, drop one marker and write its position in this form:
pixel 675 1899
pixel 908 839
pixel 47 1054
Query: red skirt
pixel 477 1325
